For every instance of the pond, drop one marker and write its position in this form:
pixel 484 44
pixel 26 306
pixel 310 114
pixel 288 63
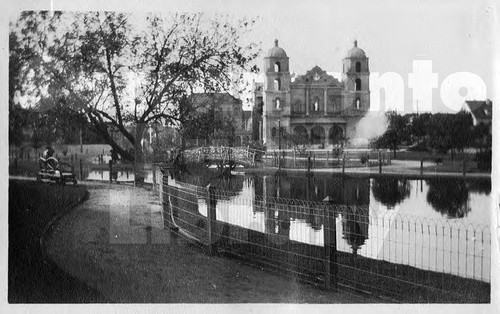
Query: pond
pixel 434 224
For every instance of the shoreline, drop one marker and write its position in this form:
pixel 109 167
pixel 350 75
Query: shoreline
pixel 368 172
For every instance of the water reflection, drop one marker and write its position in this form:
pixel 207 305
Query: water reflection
pixel 355 222
pixel 390 191
pixel 372 221
pixel 337 190
pixel 449 197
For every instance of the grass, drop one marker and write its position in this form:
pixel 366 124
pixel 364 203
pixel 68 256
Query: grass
pixel 31 277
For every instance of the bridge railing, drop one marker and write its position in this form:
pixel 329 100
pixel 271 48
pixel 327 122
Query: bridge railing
pixel 225 154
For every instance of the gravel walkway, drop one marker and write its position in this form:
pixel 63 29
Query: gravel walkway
pixel 116 243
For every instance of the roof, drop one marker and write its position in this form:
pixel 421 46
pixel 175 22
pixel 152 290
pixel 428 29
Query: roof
pixel 356 52
pixel 316 76
pixel 276 51
pixel 480 109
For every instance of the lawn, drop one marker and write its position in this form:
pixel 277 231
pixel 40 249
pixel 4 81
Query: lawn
pixel 31 277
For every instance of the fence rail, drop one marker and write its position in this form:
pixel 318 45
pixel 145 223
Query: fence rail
pixel 325 159
pixel 222 153
pixel 406 258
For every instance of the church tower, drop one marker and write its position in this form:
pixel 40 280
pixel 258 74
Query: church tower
pixel 356 78
pixel 276 95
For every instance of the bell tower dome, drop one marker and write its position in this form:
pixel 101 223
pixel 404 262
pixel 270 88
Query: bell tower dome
pixel 356 78
pixel 276 94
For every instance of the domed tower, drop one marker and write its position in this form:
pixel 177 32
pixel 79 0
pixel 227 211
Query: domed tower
pixel 276 95
pixel 356 78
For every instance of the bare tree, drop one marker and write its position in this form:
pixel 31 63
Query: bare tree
pixel 124 71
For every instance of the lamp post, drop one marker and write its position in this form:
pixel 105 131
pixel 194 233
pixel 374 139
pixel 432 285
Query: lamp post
pixel 279 135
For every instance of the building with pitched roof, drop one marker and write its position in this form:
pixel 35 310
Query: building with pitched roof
pixel 481 111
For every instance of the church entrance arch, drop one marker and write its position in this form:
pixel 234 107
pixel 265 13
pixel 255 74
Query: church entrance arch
pixel 336 134
pixel 317 135
pixel 301 136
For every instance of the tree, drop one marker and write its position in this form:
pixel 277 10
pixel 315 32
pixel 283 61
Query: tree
pixel 397 133
pixel 119 74
pixel 208 126
pixel 448 132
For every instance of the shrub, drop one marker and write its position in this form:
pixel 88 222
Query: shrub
pixel 363 159
pixel 483 159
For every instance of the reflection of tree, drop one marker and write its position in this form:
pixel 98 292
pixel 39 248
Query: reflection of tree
pixel 449 197
pixel 390 191
pixel 355 222
pixel 479 186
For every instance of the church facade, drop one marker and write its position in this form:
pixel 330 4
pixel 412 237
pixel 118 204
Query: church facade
pixel 314 106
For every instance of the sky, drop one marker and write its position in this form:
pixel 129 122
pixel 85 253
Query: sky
pixel 445 37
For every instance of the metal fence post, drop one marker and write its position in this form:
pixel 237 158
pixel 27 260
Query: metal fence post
pixel 81 169
pixel 463 167
pixel 111 171
pixel 421 166
pixel 309 163
pixel 167 220
pixel 330 240
pixel 343 164
pixel 154 178
pixel 211 215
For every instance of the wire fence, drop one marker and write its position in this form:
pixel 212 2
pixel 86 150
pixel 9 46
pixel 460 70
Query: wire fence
pixel 404 258
pixel 294 159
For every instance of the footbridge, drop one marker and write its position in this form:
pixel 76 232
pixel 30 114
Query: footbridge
pixel 222 156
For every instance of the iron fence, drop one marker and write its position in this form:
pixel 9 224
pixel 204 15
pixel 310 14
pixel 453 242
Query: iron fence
pixel 325 159
pixel 405 258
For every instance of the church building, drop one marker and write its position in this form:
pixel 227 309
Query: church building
pixel 315 106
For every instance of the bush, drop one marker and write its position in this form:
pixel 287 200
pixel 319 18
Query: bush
pixel 483 159
pixel 363 159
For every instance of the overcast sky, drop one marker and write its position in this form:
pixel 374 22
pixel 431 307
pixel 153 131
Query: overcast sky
pixel 455 35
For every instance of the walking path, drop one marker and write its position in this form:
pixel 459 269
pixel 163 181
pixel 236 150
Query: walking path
pixel 406 168
pixel 117 244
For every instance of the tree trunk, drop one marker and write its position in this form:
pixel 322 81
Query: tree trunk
pixel 138 152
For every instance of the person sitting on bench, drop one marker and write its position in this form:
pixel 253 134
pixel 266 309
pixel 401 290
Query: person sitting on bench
pixel 47 162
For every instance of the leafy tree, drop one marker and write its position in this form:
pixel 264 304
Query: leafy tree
pixel 118 74
pixel 481 137
pixel 450 132
pixel 209 126
pixel 461 130
pixel 397 132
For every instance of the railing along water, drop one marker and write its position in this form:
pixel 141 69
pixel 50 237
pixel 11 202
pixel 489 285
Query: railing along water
pixel 408 259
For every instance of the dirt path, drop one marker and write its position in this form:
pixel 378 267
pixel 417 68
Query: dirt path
pixel 116 244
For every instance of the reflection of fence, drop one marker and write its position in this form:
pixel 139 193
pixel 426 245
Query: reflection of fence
pixel 325 159
pixel 405 258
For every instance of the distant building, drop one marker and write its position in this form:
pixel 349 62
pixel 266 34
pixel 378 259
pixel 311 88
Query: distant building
pixel 314 105
pixel 230 108
pixel 481 111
